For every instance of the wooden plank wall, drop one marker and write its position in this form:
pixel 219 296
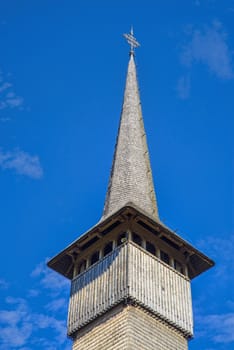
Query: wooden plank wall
pixel 130 271
pixel 160 288
pixel 97 289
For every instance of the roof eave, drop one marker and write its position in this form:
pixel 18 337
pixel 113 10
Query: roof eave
pixel 204 261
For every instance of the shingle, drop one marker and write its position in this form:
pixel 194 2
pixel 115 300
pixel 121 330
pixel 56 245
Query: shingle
pixel 131 175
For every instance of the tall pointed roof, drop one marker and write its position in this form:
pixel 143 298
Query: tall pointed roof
pixel 130 200
pixel 131 176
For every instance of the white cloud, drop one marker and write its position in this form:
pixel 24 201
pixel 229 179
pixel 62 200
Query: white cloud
pixel 14 102
pixel 25 325
pixel 49 279
pixel 5 86
pixel 183 87
pixel 33 293
pixel 220 250
pixel 22 163
pixel 8 97
pixel 15 322
pixel 57 304
pixel 4 119
pixel 209 46
pixel 40 269
pixel 219 327
pixel 44 321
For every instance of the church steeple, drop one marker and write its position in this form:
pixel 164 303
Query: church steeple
pixel 131 176
pixel 130 274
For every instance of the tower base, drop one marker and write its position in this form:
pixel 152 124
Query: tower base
pixel 129 328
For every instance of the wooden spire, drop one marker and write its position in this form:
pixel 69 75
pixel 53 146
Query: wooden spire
pixel 131 176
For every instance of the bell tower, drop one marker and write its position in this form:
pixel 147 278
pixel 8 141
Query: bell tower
pixel 130 274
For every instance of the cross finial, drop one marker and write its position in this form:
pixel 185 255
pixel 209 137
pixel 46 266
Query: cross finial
pixel 132 41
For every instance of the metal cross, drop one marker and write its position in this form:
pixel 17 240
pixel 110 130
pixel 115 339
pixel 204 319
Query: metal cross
pixel 132 41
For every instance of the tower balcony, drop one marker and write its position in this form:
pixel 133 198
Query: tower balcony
pixel 130 274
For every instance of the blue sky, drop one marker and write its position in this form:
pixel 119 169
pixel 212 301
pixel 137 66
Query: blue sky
pixel 62 74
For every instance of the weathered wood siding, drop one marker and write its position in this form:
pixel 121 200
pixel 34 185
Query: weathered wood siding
pixel 160 288
pixel 131 272
pixel 99 288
